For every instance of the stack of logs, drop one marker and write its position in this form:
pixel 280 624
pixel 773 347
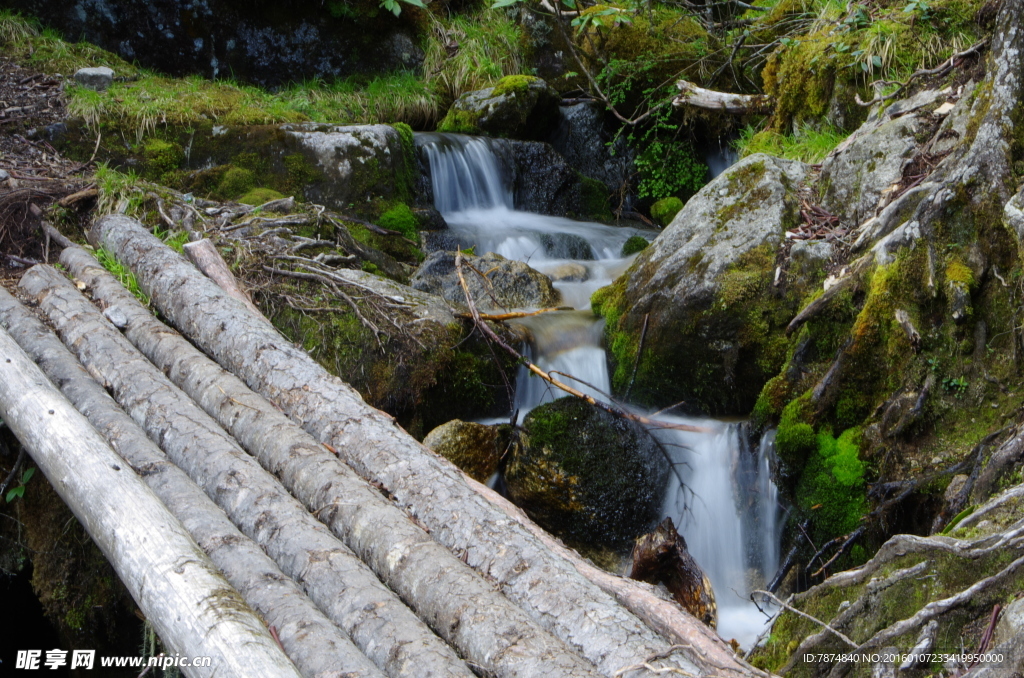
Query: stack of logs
pixel 276 522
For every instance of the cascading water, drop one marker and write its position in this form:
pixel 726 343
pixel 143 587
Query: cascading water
pixel 735 541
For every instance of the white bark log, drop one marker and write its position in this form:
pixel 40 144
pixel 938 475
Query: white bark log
pixel 193 609
pixel 456 601
pixel 335 579
pixel 317 647
pixel 737 104
pixel 542 583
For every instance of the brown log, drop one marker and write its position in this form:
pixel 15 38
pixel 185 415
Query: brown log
pixel 84 194
pixel 207 259
pixel 737 104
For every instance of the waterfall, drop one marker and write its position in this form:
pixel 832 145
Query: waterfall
pixel 728 510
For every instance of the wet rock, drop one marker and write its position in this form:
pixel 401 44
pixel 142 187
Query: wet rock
pixel 582 137
pixel 698 284
pixel 542 181
pixel 571 272
pixel 98 79
pixel 661 557
pixel 430 219
pixel 495 282
pixel 270 44
pixel 518 107
pixel 591 478
pixel 474 448
pixel 566 246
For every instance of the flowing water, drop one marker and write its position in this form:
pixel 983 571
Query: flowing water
pixel 728 510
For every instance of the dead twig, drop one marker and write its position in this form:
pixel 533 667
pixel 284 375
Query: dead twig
pixel 777 601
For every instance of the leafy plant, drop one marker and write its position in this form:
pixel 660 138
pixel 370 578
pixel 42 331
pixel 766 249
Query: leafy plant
pixel 395 6
pixel 956 387
pixel 19 490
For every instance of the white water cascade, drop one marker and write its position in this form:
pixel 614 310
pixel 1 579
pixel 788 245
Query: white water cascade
pixel 728 512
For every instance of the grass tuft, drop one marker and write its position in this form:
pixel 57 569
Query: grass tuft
pixel 807 144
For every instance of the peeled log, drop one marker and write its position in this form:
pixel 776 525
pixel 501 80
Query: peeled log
pixel 334 578
pixel 738 104
pixel 207 259
pixel 194 610
pixel 455 600
pixel 545 585
pixel 312 641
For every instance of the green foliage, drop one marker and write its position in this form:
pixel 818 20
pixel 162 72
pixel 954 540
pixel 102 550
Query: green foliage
pixel 635 243
pixel 668 166
pixel 400 218
pixel 119 191
pixel 594 199
pixel 490 46
pixel 395 6
pixel 666 209
pixel 19 489
pixel 161 156
pixel 122 273
pixel 807 144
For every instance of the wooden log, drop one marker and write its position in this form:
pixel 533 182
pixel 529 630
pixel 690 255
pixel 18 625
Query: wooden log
pixel 194 610
pixel 311 641
pixel 545 585
pixel 457 602
pixel 322 482
pixel 334 578
pixel 737 104
pixel 207 259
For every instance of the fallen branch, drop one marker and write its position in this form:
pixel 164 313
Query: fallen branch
pixel 737 104
pixel 84 194
pixel 501 317
pixel 601 405
pixel 777 601
pixel 207 259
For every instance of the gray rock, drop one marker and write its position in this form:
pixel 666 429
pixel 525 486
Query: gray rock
pixel 566 246
pixel 582 138
pixel 570 272
pixel 518 107
pixel 4 175
pixel 865 165
pixel 510 284
pixel 733 226
pixel 1013 213
pixel 811 251
pixel 98 78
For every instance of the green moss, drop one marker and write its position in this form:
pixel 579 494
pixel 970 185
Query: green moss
pixel 236 182
pixel 400 218
pixel 959 273
pixel 460 122
pixel 160 157
pixel 666 209
pixel 635 243
pixel 406 176
pixel 258 196
pixel 515 84
pixel 795 437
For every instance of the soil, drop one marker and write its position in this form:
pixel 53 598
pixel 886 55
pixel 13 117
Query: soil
pixel 37 176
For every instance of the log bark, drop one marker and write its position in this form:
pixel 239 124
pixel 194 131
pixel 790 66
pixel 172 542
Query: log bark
pixel 316 646
pixel 193 609
pixel 737 104
pixel 334 578
pixel 207 259
pixel 456 601
pixel 543 584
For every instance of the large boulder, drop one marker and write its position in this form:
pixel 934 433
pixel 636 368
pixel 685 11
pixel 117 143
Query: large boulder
pixel 705 292
pixel 495 282
pixel 584 140
pixel 591 478
pixel 518 107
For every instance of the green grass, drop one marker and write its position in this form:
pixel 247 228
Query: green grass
pixel 122 273
pixel 807 144
pixel 119 191
pixel 489 47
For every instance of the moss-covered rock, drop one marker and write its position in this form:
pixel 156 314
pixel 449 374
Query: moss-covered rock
pixel 666 209
pixel 475 448
pixel 634 244
pixel 706 288
pixel 517 107
pixel 587 476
